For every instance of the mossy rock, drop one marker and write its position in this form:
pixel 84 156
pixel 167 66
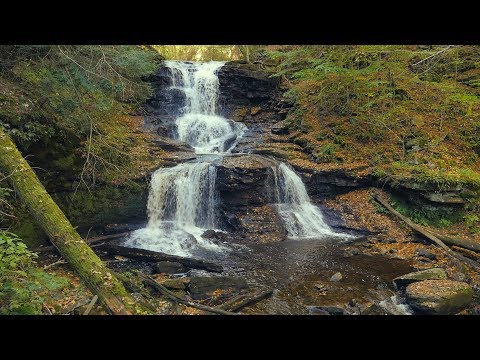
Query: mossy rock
pixel 403 281
pixel 439 296
pixel 104 205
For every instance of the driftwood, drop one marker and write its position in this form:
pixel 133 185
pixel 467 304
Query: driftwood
pixel 90 306
pixel 90 241
pixel 134 288
pixel 153 256
pixel 240 301
pixel 162 289
pixel 468 253
pixel 426 233
pixel 464 243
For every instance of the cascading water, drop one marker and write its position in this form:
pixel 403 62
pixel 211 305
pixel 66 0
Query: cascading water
pixel 199 126
pixel 180 207
pixel 181 200
pixel 302 219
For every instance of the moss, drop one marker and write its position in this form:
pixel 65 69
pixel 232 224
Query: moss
pixel 436 216
pixel 32 234
pixel 105 204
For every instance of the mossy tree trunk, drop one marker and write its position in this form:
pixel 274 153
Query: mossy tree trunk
pixel 71 246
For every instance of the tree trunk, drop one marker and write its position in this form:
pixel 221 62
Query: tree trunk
pixel 155 256
pixel 71 246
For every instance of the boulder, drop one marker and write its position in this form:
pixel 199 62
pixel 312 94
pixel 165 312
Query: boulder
pixel 171 145
pixel 209 234
pixel 280 128
pixel 201 287
pixel 174 284
pixel 429 274
pixel 439 296
pixel 169 267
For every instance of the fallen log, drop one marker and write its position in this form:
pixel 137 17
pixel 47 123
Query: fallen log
pixel 134 288
pixel 425 233
pixel 464 243
pixel 92 271
pixel 154 256
pixel 468 253
pixel 243 300
pixel 162 289
pixel 90 241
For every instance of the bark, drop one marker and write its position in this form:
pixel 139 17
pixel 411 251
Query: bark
pixel 91 241
pixel 154 256
pixel 163 290
pixel 243 300
pixel 52 220
pixel 464 243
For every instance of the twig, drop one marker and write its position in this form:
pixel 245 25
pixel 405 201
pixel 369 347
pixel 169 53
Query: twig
pixel 46 307
pixel 150 281
pixel 76 306
pixel 241 301
pixel 429 57
pixel 59 262
pixel 90 306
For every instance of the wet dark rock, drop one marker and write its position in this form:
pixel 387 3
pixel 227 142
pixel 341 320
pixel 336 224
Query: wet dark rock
pixel 168 267
pixel 387 240
pixel 439 296
pixel 429 274
pixel 425 253
pixel 120 228
pixel 336 277
pixel 168 144
pixel 372 308
pixel 280 128
pixel 209 234
pixel 174 284
pixel 247 86
pixel 201 287
pixel 326 310
pixel 189 242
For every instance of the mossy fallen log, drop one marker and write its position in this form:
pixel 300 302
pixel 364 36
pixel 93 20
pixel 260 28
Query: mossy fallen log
pixel 92 271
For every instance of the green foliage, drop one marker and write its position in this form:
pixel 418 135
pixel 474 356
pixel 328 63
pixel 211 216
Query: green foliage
pixel 14 254
pixel 24 292
pixel 473 222
pixel 371 100
pixel 72 89
pixel 441 218
pixel 326 153
pixel 23 287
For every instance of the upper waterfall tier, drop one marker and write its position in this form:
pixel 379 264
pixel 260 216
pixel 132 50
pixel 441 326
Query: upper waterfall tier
pixel 198 125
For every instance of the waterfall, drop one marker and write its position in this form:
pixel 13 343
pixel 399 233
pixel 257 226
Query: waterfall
pixel 199 126
pixel 302 219
pixel 181 200
pixel 180 208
